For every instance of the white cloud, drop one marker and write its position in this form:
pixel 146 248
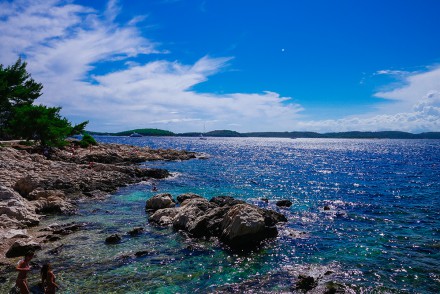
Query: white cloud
pixel 414 107
pixel 63 43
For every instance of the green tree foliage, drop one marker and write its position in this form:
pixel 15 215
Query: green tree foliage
pixel 20 119
pixel 17 88
pixel 87 140
pixel 43 124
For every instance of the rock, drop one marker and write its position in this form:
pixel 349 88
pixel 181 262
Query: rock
pixel 163 217
pixel 64 229
pixel 56 250
pixel 51 201
pixel 136 231
pixel 155 173
pixel 39 193
pixel 306 283
pixel 142 253
pixel 20 248
pixel 226 201
pixel 284 203
pixel 27 184
pixel 272 217
pixel 187 196
pixel 16 211
pixel 13 234
pixel 189 211
pixel 52 238
pixel 243 227
pixel 159 201
pixel 113 239
pixel 208 224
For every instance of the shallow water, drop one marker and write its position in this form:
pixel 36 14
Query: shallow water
pixel 382 233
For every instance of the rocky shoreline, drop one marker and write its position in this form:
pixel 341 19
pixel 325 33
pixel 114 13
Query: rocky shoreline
pixel 33 185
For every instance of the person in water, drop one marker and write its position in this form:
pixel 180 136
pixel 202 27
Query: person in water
pixel 23 268
pixel 48 279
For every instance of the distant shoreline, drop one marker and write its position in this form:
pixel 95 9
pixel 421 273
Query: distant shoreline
pixel 292 135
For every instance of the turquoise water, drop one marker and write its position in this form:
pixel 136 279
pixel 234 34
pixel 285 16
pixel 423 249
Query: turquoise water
pixel 381 235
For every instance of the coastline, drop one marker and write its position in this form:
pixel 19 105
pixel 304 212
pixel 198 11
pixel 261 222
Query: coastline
pixel 33 185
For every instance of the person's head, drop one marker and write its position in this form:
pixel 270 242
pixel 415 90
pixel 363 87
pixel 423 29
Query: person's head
pixel 28 256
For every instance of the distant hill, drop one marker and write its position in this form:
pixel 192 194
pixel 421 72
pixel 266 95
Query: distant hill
pixel 145 132
pixel 334 135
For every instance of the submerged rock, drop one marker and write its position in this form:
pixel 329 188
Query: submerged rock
pixel 306 283
pixel 136 231
pixel 284 203
pixel 113 239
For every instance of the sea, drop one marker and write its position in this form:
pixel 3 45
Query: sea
pixel 368 212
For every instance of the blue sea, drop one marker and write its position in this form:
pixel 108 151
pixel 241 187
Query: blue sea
pixel 381 234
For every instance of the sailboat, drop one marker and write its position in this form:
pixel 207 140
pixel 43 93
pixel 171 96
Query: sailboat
pixel 201 134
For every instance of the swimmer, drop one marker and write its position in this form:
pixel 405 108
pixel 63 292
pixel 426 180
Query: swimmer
pixel 48 279
pixel 23 268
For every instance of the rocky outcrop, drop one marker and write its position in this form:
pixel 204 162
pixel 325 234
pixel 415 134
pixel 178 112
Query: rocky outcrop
pixel 32 185
pixel 236 223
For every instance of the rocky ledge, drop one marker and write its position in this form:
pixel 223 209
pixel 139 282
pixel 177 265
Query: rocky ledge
pixel 33 184
pixel 236 223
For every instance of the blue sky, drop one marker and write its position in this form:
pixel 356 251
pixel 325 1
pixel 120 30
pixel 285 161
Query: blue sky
pixel 242 65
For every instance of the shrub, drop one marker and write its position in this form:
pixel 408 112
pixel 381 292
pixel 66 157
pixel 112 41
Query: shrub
pixel 87 140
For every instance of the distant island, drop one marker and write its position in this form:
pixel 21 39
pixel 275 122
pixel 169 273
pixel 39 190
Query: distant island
pixel 293 135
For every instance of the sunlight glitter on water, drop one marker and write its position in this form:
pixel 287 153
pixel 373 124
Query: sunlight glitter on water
pixel 379 234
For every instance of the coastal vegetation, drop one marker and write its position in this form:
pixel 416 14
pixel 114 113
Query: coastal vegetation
pixel 21 119
pixel 333 135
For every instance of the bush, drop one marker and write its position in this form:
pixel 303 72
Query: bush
pixel 87 140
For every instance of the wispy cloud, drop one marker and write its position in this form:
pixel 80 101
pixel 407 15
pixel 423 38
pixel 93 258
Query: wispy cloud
pixel 64 43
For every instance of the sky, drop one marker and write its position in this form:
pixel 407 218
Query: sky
pixel 242 65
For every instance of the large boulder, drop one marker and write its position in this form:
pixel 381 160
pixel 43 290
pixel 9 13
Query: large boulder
pixel 21 247
pixel 226 201
pixel 208 224
pixel 163 217
pixel 244 226
pixel 189 211
pixel 186 196
pixel 159 201
pixel 15 211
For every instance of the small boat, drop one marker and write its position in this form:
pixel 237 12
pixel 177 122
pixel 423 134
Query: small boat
pixel 201 134
pixel 135 135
